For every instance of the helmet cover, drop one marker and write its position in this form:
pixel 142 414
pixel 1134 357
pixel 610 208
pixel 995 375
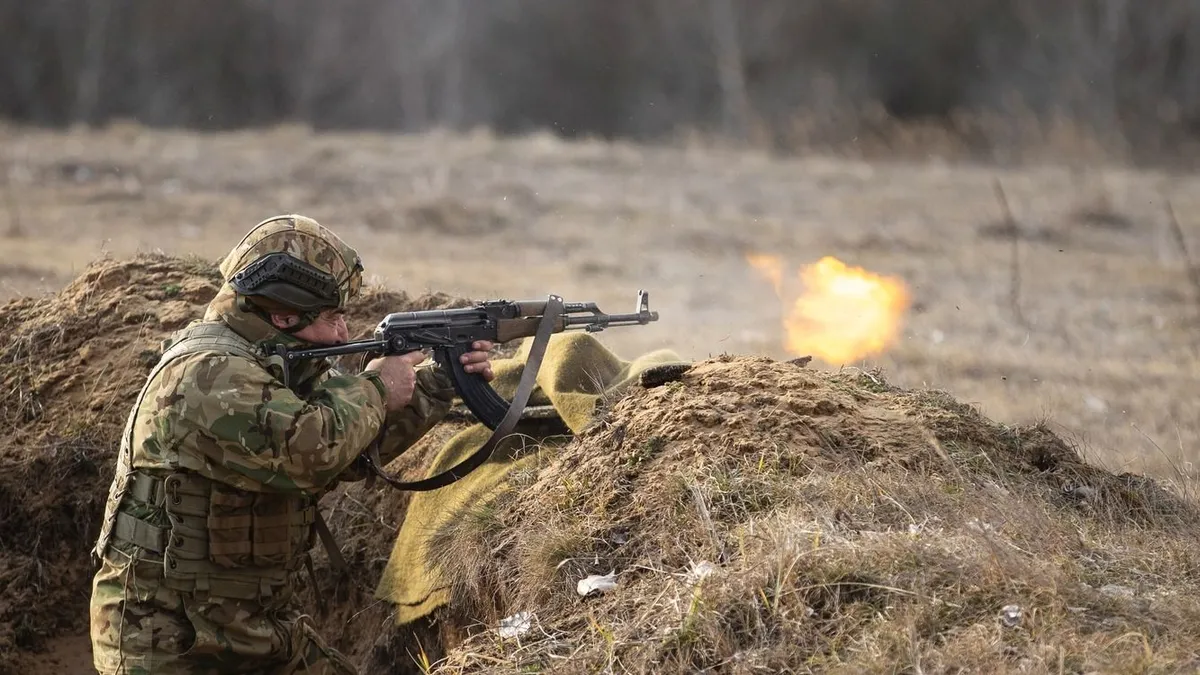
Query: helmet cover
pixel 296 262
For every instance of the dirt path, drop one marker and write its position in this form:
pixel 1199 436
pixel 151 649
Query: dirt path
pixel 1106 352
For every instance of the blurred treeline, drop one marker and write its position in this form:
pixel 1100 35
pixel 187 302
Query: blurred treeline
pixel 780 70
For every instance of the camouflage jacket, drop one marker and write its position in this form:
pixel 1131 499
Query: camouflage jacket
pixel 231 420
pixel 234 421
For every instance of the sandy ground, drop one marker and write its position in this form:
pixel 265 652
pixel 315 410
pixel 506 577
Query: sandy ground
pixel 1107 350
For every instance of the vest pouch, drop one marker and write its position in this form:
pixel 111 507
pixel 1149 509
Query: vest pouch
pixel 272 543
pixel 230 526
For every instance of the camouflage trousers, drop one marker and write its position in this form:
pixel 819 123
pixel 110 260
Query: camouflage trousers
pixel 139 627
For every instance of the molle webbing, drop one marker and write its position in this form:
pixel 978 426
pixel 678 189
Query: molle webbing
pixel 221 541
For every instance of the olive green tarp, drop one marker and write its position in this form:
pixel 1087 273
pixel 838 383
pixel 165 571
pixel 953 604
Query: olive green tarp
pixel 577 373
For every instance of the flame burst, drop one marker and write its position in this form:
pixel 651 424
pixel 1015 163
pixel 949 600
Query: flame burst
pixel 842 313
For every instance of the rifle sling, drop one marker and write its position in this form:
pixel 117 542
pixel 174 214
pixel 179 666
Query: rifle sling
pixel 335 554
pixel 516 408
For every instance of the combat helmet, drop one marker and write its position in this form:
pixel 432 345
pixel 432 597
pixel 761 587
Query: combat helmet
pixel 292 263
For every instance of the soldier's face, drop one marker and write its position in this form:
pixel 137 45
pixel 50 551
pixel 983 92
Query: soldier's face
pixel 328 329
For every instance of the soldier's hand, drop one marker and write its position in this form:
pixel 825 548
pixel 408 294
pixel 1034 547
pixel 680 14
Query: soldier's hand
pixel 477 361
pixel 399 376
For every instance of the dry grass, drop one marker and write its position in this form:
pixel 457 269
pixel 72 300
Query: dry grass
pixel 846 526
pixel 905 522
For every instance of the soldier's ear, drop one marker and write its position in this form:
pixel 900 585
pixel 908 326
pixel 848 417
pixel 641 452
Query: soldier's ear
pixel 282 321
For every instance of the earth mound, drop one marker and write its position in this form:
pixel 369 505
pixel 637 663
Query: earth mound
pixel 71 364
pixel 744 515
pixel 758 516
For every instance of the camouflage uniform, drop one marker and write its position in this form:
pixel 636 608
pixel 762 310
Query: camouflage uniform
pixel 211 512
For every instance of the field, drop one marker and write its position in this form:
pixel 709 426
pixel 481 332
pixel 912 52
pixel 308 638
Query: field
pixel 1073 306
pixel 1104 345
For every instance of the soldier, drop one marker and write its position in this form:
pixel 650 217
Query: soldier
pixel 225 455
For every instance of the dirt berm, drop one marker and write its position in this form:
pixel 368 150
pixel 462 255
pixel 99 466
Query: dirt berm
pixel 746 515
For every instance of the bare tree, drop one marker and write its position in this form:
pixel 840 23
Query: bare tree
pixel 456 48
pixel 87 89
pixel 635 68
pixel 430 55
pixel 730 69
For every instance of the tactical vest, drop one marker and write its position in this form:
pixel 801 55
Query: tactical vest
pixel 214 539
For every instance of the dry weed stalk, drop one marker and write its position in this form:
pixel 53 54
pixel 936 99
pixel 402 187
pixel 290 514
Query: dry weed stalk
pixel 1193 272
pixel 1014 232
pixel 15 228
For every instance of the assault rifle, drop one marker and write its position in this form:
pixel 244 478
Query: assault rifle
pixel 450 334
